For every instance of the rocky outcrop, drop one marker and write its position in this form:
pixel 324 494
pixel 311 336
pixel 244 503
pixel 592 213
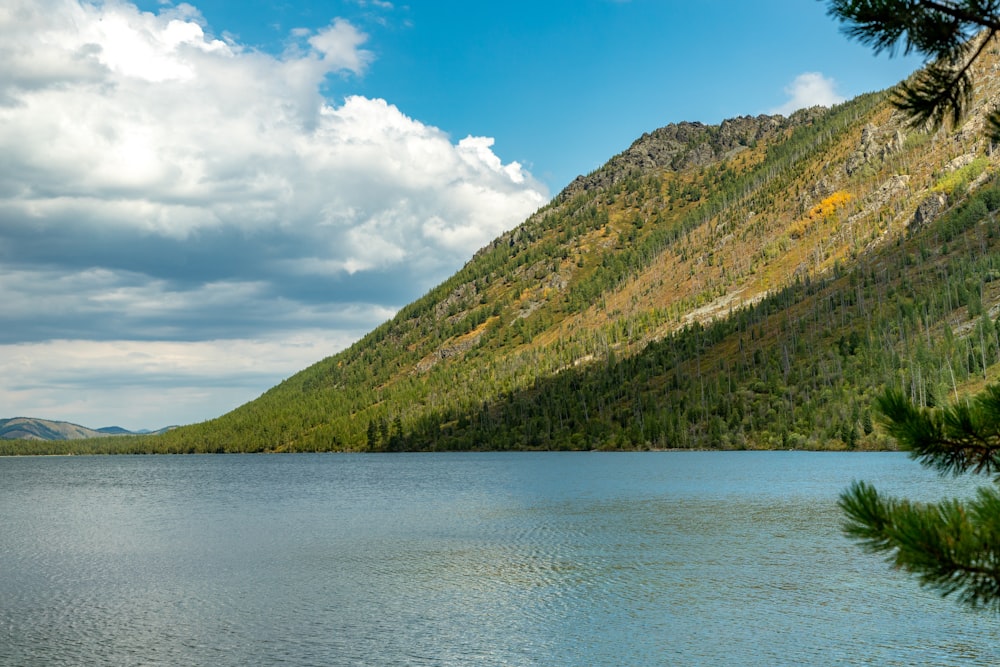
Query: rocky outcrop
pixel 877 143
pixel 928 209
pixel 679 146
pixel 455 348
pixel 455 303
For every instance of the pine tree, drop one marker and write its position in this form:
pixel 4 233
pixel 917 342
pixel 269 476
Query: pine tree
pixel 951 546
pixel 951 34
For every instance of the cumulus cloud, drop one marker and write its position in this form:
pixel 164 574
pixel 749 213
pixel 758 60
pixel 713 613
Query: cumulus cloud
pixel 160 185
pixel 808 90
pixel 339 46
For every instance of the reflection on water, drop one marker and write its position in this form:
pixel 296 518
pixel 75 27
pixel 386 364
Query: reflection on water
pixel 461 559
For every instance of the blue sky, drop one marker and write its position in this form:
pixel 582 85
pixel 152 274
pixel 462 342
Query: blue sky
pixel 564 84
pixel 198 200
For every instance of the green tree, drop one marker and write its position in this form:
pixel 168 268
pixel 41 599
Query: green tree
pixel 373 440
pixel 951 546
pixel 951 34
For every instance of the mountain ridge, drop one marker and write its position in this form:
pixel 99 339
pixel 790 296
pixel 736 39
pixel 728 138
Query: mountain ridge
pixel 680 146
pixel 32 428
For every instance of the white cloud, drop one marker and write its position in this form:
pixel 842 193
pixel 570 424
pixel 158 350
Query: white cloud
pixel 808 90
pixel 381 4
pixel 339 45
pixel 159 184
pixel 182 133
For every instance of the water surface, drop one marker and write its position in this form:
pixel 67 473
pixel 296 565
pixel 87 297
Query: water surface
pixel 676 558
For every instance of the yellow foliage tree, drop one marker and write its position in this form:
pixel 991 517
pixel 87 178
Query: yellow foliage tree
pixel 824 210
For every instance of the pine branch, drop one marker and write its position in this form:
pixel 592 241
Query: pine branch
pixel 957 439
pixel 931 27
pixel 944 31
pixel 952 547
pixel 983 14
pixel 943 90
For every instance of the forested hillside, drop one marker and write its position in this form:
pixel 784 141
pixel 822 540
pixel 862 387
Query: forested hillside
pixel 747 285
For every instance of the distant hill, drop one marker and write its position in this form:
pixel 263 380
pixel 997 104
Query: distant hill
pixel 118 430
pixel 28 428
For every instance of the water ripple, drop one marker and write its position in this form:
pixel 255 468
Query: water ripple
pixel 714 559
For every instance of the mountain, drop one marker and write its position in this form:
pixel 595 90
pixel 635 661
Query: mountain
pixel 752 284
pixel 27 428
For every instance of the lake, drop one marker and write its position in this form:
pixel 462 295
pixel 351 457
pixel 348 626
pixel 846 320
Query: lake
pixel 668 558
